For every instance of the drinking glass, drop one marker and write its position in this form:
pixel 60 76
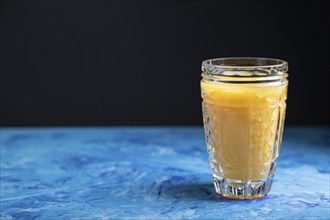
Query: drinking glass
pixel 244 102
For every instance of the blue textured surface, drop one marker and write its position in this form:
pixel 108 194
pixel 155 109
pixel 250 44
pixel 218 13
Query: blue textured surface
pixel 150 172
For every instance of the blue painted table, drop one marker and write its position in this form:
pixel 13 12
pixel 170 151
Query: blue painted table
pixel 149 172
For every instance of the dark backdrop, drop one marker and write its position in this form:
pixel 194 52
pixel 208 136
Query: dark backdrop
pixel 138 62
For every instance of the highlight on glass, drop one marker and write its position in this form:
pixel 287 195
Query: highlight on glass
pixel 244 103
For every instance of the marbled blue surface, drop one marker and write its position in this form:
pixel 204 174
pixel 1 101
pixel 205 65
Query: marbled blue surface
pixel 150 173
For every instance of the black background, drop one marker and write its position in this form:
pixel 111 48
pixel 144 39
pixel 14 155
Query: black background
pixel 138 62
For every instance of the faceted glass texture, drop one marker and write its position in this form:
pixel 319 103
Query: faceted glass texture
pixel 243 122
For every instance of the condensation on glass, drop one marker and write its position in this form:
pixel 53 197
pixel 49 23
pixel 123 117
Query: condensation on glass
pixel 244 102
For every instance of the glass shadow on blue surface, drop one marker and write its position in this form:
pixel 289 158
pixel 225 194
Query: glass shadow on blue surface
pixel 195 191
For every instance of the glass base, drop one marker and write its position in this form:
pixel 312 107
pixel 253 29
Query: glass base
pixel 237 189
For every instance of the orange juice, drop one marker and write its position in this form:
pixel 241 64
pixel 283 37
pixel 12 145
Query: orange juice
pixel 245 121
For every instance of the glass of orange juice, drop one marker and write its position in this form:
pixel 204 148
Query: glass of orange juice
pixel 244 102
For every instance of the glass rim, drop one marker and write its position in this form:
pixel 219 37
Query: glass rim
pixel 244 69
pixel 230 69
pixel 233 62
